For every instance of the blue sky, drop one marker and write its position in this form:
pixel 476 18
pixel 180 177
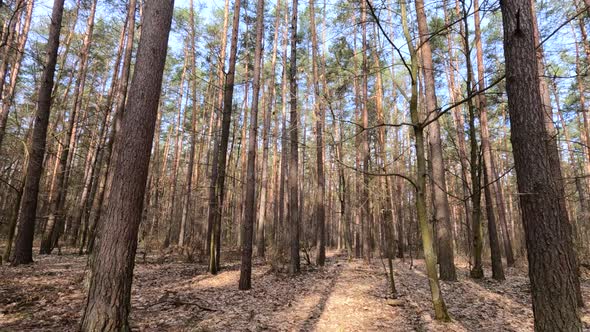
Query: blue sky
pixel 43 7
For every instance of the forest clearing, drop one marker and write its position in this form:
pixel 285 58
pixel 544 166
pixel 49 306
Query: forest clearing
pixel 286 165
pixel 172 295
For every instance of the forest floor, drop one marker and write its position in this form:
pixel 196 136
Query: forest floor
pixel 172 295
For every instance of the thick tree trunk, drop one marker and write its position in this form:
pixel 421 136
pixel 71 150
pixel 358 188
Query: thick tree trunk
pixel 554 157
pixel 109 157
pixel 109 295
pixel 547 230
pixel 23 251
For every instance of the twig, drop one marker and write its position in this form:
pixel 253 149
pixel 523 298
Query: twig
pixel 179 302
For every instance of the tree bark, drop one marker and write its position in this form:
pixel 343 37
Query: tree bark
pixel 23 250
pixel 479 167
pixel 293 181
pixel 108 156
pixel 440 309
pixel 546 224
pixel 488 158
pixel 245 282
pixel 444 230
pixel 320 212
pixel 216 190
pixel 109 295
pixel 57 211
pixel 191 158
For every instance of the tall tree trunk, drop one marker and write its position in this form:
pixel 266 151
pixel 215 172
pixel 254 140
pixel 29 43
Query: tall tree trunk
pixel 320 212
pixel 293 182
pixel 546 224
pixel 23 250
pixel 440 309
pixel 262 216
pixel 365 149
pixel 17 204
pixel 85 215
pixel 7 40
pixel 478 168
pixel 580 188
pixel 281 238
pixel 191 158
pixel 582 184
pixel 455 96
pixel 444 230
pixel 109 295
pixel 170 235
pixel 492 189
pixel 56 218
pixel 245 282
pixel 108 156
pixel 554 159
pixel 216 191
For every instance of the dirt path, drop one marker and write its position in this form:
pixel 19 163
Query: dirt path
pixel 358 302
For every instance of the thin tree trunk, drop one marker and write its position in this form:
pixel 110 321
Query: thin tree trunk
pixel 56 218
pixel 78 93
pixel 263 210
pixel 478 168
pixel 365 149
pixel 489 162
pixel 170 235
pixel 576 171
pixel 23 251
pixel 293 182
pixel 8 96
pixel 245 282
pixel 216 191
pixel 320 212
pixel 455 95
pixel 444 230
pixel 440 309
pixel 281 238
pixel 191 160
pixel 102 140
